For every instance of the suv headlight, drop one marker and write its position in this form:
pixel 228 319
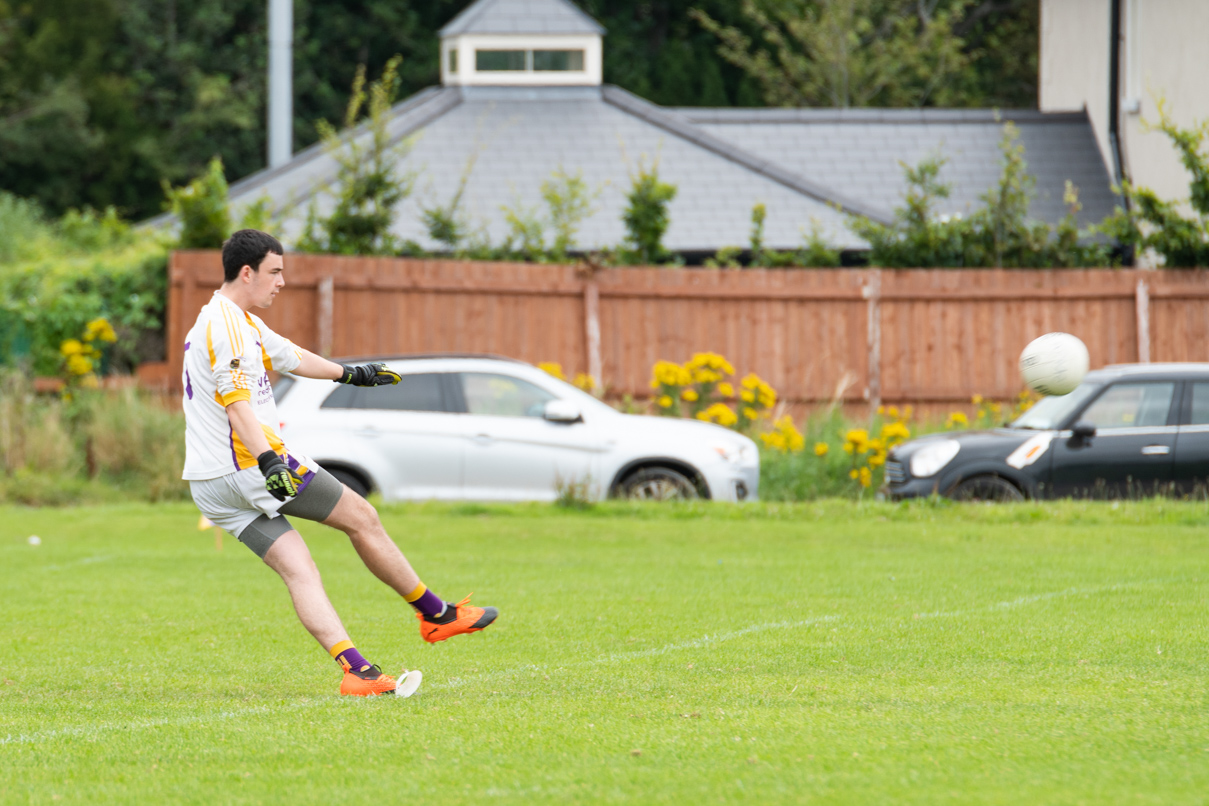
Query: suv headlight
pixel 929 460
pixel 738 455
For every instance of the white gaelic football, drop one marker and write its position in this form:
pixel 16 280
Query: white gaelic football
pixel 1054 364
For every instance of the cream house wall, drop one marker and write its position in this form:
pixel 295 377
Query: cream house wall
pixel 1164 54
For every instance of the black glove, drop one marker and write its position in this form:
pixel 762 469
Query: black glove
pixel 369 375
pixel 279 480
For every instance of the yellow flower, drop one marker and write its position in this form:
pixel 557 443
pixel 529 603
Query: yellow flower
pixel 854 473
pixel 750 413
pixel 976 400
pixel 99 329
pixel 690 395
pixel 725 389
pixel 711 361
pixel 893 412
pixel 877 459
pixel 89 381
pixel 866 477
pixel 719 413
pixel 856 441
pixel 820 449
pixel 551 368
pixel 584 381
pixel 907 412
pixel 666 373
pixel 957 419
pixel 881 409
pixel 665 401
pixel 71 347
pixel 894 433
pixel 79 365
pixel 747 397
pixel 774 440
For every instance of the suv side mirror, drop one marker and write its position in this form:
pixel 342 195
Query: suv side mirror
pixel 1083 429
pixel 561 411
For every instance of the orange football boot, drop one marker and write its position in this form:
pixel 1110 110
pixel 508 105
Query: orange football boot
pixel 462 619
pixel 366 683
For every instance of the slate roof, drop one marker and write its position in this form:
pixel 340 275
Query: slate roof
pixel 522 17
pixel 805 166
pixel 859 151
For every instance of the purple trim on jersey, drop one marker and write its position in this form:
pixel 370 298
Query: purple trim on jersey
pixel 234 458
pixel 187 346
pixel 188 385
pixel 294 465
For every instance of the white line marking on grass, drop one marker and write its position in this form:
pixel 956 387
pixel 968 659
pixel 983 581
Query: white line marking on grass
pixel 1041 597
pixel 95 731
pixel 100 558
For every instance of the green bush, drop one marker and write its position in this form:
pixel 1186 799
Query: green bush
pixel 646 219
pixel 46 300
pixel 1151 223
pixel 202 209
pixel 997 234
pixel 369 185
pixel 53 450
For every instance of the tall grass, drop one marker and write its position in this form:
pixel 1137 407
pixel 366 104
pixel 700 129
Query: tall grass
pixel 96 444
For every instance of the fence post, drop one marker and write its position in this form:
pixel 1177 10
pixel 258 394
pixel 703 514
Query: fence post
pixel 872 292
pixel 1142 304
pixel 326 288
pixel 592 330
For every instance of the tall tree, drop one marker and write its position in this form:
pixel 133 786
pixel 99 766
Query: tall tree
pixel 880 52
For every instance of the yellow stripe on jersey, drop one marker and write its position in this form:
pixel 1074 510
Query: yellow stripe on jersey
pixel 231 397
pixel 233 332
pixel 210 346
pixel 264 354
pixel 244 457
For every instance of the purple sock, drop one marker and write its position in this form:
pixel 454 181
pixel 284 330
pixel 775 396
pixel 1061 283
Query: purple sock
pixel 429 604
pixel 353 658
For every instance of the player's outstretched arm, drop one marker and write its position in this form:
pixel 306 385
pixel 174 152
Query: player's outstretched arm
pixel 315 366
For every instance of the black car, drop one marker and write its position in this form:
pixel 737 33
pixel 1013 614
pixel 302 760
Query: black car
pixel 1127 431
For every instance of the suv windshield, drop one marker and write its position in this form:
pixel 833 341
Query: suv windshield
pixel 1049 412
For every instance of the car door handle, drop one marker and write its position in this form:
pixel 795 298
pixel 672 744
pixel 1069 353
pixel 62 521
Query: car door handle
pixel 1156 450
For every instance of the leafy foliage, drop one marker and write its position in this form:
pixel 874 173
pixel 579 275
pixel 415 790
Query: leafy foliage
pixel 370 186
pixel 998 234
pixel 201 207
pixel 68 273
pixel 845 52
pixel 1152 223
pixel 882 52
pixel 646 218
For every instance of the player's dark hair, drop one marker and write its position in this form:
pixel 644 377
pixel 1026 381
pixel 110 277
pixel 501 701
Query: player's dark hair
pixel 247 247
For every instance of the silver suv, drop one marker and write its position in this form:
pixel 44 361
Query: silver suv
pixel 494 429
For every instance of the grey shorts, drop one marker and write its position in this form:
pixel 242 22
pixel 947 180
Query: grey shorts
pixel 314 503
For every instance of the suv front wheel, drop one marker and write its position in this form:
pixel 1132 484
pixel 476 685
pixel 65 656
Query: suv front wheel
pixel 657 484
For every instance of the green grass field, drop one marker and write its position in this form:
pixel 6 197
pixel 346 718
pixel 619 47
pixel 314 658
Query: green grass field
pixel 817 653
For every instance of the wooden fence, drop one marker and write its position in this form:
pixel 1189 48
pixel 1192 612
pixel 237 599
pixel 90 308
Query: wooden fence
pixel 918 336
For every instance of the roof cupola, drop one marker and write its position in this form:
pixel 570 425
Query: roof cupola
pixel 521 43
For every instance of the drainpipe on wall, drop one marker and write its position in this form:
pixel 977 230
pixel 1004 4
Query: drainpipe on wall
pixel 1114 93
pixel 281 81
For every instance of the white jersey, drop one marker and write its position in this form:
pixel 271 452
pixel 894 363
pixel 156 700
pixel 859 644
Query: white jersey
pixel 228 355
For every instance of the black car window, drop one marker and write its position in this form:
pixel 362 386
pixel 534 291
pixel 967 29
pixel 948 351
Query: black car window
pixel 1131 405
pixel 342 397
pixel 503 395
pixel 1199 414
pixel 419 392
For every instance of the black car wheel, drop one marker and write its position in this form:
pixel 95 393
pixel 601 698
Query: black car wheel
pixel 352 481
pixel 986 488
pixel 657 484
